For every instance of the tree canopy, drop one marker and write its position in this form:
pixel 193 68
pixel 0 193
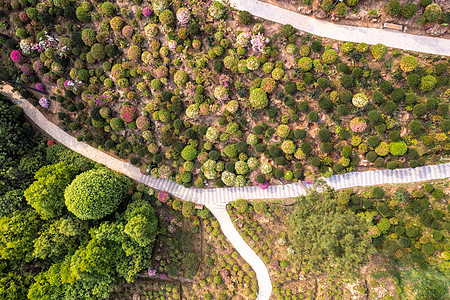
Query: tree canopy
pixel 327 238
pixel 45 195
pixel 94 194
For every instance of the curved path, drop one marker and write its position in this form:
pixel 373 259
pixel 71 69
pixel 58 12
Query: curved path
pixel 217 198
pixel 354 34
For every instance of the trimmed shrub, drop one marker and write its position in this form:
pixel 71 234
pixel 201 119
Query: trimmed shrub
pixel 379 50
pixel 258 98
pixel 189 153
pixel 393 8
pixel 94 194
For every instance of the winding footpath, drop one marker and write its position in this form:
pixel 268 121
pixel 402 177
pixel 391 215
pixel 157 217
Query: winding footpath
pixel 354 34
pixel 217 198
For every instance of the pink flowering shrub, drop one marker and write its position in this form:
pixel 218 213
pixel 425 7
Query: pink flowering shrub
pixel 128 113
pixel 163 196
pixel 44 102
pixel 224 80
pixel 258 42
pixel 183 15
pixel 127 31
pixel 40 87
pixel 147 12
pixel 16 56
pixel 358 124
pixel 26 69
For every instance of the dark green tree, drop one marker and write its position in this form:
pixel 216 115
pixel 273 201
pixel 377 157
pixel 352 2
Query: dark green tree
pixel 327 238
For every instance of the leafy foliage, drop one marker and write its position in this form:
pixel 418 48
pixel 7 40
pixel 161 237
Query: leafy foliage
pixel 327 238
pixel 45 195
pixel 94 194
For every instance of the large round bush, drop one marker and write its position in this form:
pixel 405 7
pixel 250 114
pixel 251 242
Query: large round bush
pixel 189 153
pixel 408 63
pixel 94 194
pixel 258 98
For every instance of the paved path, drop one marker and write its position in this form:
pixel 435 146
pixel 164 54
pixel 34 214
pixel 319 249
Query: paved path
pixel 354 34
pixel 228 229
pixel 216 199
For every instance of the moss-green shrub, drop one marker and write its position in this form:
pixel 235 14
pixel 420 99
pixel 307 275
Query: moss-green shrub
pixel 94 194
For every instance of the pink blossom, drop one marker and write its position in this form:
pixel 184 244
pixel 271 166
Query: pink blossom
pixel 147 12
pixel 40 87
pixel 258 42
pixel 16 56
pixel 44 102
pixel 163 196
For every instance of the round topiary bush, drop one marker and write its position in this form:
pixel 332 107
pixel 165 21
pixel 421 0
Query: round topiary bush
pixel 393 7
pixel 305 63
pixel 398 148
pixel 360 100
pixel 329 56
pixel 116 123
pixel 98 51
pixel 134 53
pixel 189 153
pixel 379 51
pixel 108 9
pixel 432 13
pixel 94 194
pixel 420 109
pixel 88 36
pixel 408 63
pixel 180 78
pixel 167 18
pixel 116 23
pixel 216 10
pixel 427 83
pixel 258 98
pixel 83 15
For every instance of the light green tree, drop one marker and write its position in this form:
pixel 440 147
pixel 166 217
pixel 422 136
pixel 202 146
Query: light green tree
pixel 45 195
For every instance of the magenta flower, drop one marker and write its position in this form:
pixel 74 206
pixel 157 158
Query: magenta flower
pixel 147 12
pixel 163 196
pixel 40 87
pixel 44 102
pixel 16 56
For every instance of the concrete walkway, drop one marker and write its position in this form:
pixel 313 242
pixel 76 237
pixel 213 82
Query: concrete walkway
pixel 264 284
pixel 354 34
pixel 215 199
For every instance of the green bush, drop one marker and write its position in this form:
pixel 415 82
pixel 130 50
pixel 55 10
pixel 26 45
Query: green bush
pixel 413 79
pixel 108 9
pixel 167 18
pixel 409 10
pixel 83 15
pixel 258 98
pixel 420 110
pixel 379 50
pixel 432 13
pixel 245 17
pixel 427 83
pixel 98 51
pixel 287 30
pixel 95 194
pixel 189 153
pixel 88 36
pixel 393 8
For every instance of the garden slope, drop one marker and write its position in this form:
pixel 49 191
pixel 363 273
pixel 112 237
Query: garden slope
pixel 216 198
pixel 369 36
